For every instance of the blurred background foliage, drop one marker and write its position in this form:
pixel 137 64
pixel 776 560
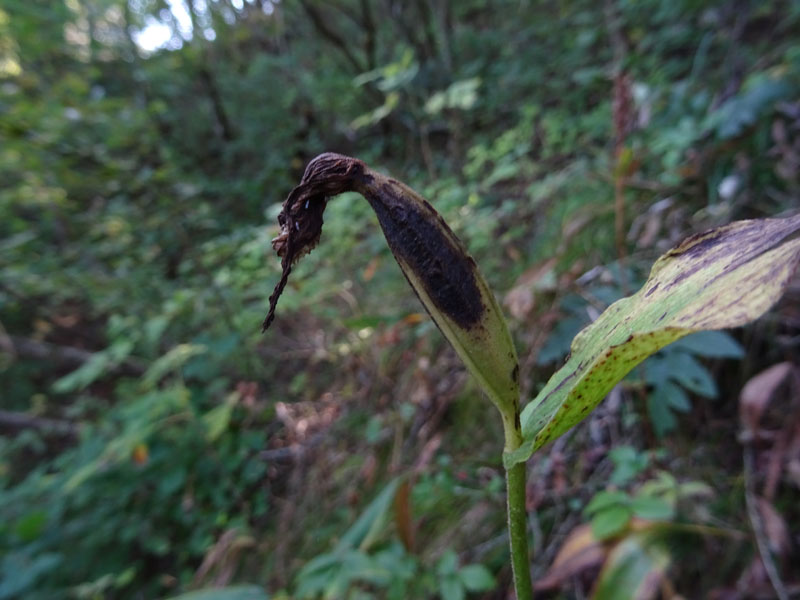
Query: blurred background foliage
pixel 154 443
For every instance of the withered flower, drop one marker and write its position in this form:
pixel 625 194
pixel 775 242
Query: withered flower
pixel 434 261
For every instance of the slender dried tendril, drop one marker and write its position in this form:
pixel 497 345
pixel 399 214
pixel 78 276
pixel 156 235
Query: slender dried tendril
pixel 301 216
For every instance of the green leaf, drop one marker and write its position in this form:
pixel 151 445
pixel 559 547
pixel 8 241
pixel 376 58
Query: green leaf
pixel 684 369
pixel 634 569
pixel 321 574
pixel 370 523
pixel 661 416
pixel 233 592
pixel 664 486
pixel 321 564
pixel 379 114
pixel 358 566
pixel 31 525
pixel 695 488
pixel 141 418
pixel 172 360
pixel 451 588
pixel 652 508
pixel 218 418
pixel 662 401
pixel 396 560
pixel 676 398
pixel 94 368
pixel 20 571
pixel 477 578
pixel 154 328
pixel 605 499
pixel 448 563
pixel 610 521
pixel 628 463
pixel 744 109
pixel 332 573
pixel 711 344
pixel 461 95
pixel 558 342
pixel 724 277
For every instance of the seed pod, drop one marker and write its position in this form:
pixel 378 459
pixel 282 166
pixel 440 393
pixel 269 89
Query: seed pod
pixel 434 261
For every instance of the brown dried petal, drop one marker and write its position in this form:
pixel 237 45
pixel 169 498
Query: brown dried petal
pixel 434 261
pixel 301 216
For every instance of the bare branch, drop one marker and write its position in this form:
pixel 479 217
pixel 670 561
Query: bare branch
pixel 18 420
pixel 66 356
pixel 328 33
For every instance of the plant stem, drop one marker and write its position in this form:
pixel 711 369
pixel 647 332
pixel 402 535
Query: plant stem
pixel 517 516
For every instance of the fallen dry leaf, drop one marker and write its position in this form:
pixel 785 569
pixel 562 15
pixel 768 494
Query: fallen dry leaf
pixel 520 299
pixel 580 551
pixel 757 393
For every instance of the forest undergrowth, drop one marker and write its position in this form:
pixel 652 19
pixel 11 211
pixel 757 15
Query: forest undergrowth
pixel 154 443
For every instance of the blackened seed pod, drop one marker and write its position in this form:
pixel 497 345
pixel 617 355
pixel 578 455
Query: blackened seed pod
pixel 433 260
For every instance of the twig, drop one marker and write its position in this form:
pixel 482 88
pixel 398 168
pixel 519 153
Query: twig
pixel 622 111
pixel 322 26
pixel 18 420
pixel 65 355
pixel 758 527
pixel 294 451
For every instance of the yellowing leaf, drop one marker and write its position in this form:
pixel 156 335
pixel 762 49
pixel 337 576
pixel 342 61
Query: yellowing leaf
pixel 724 277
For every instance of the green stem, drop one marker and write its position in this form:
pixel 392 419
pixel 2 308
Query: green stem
pixel 517 515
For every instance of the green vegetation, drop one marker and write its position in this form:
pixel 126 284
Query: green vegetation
pixel 723 277
pixel 154 443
